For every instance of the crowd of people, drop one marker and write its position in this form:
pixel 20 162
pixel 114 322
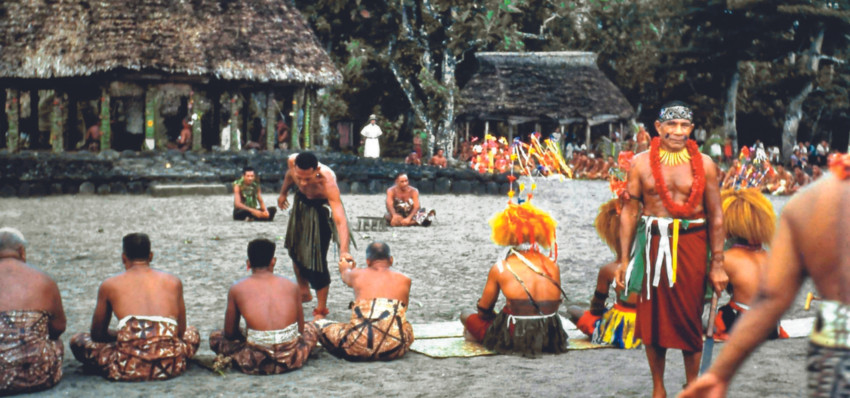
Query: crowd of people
pixel 678 241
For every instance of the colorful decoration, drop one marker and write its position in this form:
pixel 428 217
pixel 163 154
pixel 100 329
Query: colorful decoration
pixel 676 210
pixel 751 172
pixel 673 158
pixel 839 164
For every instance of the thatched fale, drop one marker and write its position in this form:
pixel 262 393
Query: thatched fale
pixel 562 86
pixel 249 40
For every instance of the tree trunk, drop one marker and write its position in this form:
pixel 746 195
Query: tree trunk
pixel 151 105
pixel 57 122
pixel 730 128
pixel 12 115
pixel 105 121
pixel 794 113
pixel 447 131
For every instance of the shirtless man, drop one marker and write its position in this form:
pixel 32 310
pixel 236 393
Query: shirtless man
pixel 530 282
pixel 781 182
pixel 438 160
pixel 282 131
pixel 31 321
pixel 801 179
pixel 749 222
pixel 642 140
pixel 678 189
pixel 316 191
pixel 149 306
pixel 403 205
pixel 92 139
pixel 413 159
pixel 248 199
pixel 378 329
pixel 813 240
pixel 276 339
pixel 184 141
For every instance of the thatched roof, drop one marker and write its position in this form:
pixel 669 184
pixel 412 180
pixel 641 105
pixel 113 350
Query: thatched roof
pixel 564 86
pixel 250 40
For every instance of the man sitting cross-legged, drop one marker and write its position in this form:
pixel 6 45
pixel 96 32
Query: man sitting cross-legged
pixel 31 321
pixel 531 282
pixel 152 341
pixel 276 339
pixel 378 329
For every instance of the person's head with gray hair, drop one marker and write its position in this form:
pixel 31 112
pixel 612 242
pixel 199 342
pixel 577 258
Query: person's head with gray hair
pixel 12 240
pixel 378 251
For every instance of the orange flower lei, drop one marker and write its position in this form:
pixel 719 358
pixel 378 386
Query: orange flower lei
pixel 697 189
pixel 840 165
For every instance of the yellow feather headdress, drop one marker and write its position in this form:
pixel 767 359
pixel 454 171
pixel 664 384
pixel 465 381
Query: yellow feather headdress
pixel 607 224
pixel 748 215
pixel 523 223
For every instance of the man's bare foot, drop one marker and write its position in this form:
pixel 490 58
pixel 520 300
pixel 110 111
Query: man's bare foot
pixel 305 294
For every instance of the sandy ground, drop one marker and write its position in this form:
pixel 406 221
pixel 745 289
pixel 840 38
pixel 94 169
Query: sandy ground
pixel 77 240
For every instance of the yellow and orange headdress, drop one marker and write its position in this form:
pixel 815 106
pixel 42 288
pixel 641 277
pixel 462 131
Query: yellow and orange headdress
pixel 523 223
pixel 748 215
pixel 607 223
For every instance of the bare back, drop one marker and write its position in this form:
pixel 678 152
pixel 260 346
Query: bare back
pixel 267 301
pixel 142 290
pixel 544 292
pixel 24 288
pixel 819 222
pixel 744 268
pixel 378 282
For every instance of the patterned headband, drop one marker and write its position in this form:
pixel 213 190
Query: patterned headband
pixel 675 112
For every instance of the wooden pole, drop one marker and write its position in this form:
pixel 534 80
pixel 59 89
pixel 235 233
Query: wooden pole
pixel 196 113
pixel 308 107
pixel 150 119
pixel 486 128
pixel 294 130
pixel 12 115
pixel 105 121
pixel 587 136
pixel 271 120
pixel 235 140
pixel 57 123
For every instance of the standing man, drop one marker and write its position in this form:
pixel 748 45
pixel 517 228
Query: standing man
pixel 677 188
pixel 248 200
pixel 372 148
pixel 813 240
pixel 317 202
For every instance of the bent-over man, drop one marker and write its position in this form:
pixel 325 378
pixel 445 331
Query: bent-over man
pixel 378 329
pixel 531 282
pixel 403 205
pixel 152 341
pixel 248 200
pixel 317 215
pixel 31 321
pixel 276 339
pixel 813 240
pixel 677 187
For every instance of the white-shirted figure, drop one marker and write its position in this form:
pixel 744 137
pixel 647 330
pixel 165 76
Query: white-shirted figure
pixel 372 148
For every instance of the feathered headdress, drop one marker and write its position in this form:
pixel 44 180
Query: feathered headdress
pixel 607 223
pixel 748 215
pixel 523 223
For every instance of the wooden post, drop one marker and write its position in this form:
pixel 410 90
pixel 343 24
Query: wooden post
pixel 235 139
pixel 271 120
pixel 511 128
pixel 466 135
pixel 105 121
pixel 587 136
pixel 308 107
pixel 537 128
pixel 57 122
pixel 196 113
pixel 151 104
pixel 12 115
pixel 294 130
pixel 486 128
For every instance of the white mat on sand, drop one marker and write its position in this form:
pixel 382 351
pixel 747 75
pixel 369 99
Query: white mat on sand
pixel 455 329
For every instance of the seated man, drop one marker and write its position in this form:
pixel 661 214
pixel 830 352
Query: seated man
pixel 276 339
pixel 438 160
pixel 749 222
pixel 529 323
pixel 282 132
pixel 184 140
pixel 152 341
pixel 248 200
pixel 91 141
pixel 31 321
pixel 615 325
pixel 413 159
pixel 378 329
pixel 403 205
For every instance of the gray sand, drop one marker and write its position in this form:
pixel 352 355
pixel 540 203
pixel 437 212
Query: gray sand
pixel 77 240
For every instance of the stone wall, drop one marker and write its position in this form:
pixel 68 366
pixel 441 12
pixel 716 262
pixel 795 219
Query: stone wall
pixel 30 174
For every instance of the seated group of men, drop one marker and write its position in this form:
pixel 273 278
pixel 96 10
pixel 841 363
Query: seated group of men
pixel 591 167
pixel 153 342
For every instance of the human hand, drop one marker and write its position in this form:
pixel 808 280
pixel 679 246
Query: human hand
pixel 620 278
pixel 345 260
pixel 707 385
pixel 282 202
pixel 719 279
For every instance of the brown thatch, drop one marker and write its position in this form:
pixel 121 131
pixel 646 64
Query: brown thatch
pixel 564 86
pixel 250 40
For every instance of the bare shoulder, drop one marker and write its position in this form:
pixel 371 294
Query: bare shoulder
pixel 169 278
pixel 641 160
pixel 327 172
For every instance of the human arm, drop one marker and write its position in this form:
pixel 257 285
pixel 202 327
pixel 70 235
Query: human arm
pixel 628 222
pixel 415 208
pixel 58 322
pixel 102 313
pixel 781 281
pixel 299 309
pixel 239 204
pixel 288 180
pixel 263 211
pixel 231 317
pixel 181 310
pixel 490 295
pixel 340 220
pixel 389 202
pixel 345 268
pixel 716 234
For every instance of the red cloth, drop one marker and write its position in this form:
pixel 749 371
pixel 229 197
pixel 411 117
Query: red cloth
pixel 587 323
pixel 671 318
pixel 730 313
pixel 477 327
